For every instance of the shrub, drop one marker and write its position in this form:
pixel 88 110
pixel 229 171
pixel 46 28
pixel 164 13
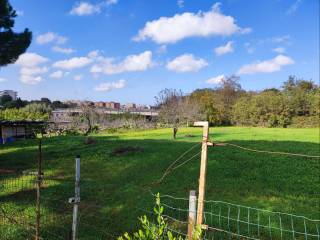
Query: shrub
pixel 158 230
pixel 305 122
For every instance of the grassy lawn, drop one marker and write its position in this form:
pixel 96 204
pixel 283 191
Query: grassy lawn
pixel 115 187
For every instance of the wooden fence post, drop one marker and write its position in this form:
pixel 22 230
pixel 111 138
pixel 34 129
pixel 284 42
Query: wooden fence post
pixel 192 213
pixel 203 170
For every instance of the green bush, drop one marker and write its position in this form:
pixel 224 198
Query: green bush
pixel 158 230
pixel 305 122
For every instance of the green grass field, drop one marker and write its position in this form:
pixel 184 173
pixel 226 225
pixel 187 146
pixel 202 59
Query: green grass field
pixel 115 187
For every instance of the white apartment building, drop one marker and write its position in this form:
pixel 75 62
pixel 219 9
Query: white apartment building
pixel 11 93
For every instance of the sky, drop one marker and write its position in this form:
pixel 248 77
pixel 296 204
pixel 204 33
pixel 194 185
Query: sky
pixel 129 50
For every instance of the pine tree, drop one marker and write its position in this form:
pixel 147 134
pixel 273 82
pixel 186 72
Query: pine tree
pixel 12 44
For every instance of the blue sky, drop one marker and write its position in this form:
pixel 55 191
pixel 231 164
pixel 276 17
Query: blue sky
pixel 127 51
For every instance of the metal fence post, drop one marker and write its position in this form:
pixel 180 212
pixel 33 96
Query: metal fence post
pixel 38 187
pixel 192 213
pixel 76 199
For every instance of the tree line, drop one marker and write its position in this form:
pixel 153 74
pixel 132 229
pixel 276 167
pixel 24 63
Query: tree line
pixel 296 103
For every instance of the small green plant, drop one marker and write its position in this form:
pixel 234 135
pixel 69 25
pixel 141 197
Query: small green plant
pixel 158 230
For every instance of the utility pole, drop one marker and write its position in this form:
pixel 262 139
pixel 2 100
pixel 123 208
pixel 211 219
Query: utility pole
pixel 203 170
pixel 76 199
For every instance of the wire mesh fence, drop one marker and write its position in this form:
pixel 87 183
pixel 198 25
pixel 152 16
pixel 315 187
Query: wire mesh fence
pixel 224 220
pixel 18 211
pixel 232 221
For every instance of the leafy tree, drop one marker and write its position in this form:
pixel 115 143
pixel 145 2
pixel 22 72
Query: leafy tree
pixel 45 100
pixel 226 96
pixel 13 104
pixel 33 111
pixel 169 102
pixel 89 117
pixel 58 104
pixel 299 93
pixel 206 99
pixel 12 44
pixel 5 99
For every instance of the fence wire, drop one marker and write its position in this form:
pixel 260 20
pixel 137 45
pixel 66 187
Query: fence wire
pixel 233 221
pixel 224 220
pixel 18 209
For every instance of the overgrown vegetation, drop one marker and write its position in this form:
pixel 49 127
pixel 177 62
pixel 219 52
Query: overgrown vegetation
pixel 229 104
pixel 159 229
pixel 34 111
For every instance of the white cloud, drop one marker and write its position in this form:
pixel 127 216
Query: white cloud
pixel 3 79
pixel 250 49
pixel 131 63
pixel 162 49
pixel 57 74
pixel 268 66
pixel 294 7
pixel 180 3
pixel 30 79
pixel 78 77
pixel 186 63
pixel 180 26
pixel 279 50
pixel 84 9
pixel 111 2
pixel 32 75
pixel 281 39
pixel 50 37
pixel 30 60
pixel 33 70
pixel 224 49
pixel 73 63
pixel 30 72
pixel 94 54
pixel 215 80
pixel 104 87
pixel 63 50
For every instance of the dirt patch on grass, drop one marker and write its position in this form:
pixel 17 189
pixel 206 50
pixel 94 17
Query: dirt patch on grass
pixel 126 150
pixel 3 170
pixel 89 140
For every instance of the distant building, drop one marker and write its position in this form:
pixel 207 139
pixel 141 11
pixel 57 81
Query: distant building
pixel 112 105
pixel 87 103
pixel 65 115
pixel 100 104
pixel 131 106
pixel 11 93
